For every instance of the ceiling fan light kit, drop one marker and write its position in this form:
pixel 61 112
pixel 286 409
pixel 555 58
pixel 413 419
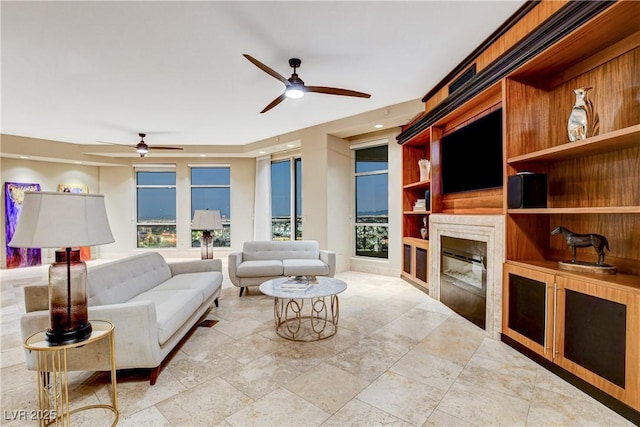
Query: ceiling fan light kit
pixel 295 87
pixel 294 92
pixel 142 148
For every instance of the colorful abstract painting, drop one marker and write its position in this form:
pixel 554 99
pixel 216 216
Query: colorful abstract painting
pixel 13 196
pixel 85 251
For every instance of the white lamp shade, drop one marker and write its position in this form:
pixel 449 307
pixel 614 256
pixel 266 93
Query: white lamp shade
pixel 54 220
pixel 206 220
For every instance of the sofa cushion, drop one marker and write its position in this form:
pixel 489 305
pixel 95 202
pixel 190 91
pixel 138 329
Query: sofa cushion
pixel 119 281
pixel 206 282
pixel 260 268
pixel 301 267
pixel 270 250
pixel 173 309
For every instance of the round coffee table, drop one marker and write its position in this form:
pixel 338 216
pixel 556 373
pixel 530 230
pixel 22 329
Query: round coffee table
pixel 320 323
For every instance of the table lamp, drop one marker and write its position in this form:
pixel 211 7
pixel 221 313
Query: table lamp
pixel 206 220
pixel 64 220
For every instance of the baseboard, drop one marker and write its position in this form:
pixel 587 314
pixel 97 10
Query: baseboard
pixel 383 268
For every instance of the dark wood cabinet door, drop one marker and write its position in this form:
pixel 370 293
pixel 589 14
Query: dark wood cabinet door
pixel 406 258
pixel 597 336
pixel 527 308
pixel 422 262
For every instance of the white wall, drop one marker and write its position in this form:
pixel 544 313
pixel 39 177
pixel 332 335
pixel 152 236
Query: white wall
pixel 341 198
pixel 118 186
pixel 314 188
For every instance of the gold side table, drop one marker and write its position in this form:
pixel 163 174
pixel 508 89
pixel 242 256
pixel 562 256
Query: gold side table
pixel 53 380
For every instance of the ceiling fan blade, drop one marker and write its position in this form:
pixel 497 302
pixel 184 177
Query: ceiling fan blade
pixel 336 91
pixel 275 102
pixel 154 147
pixel 115 143
pixel 266 69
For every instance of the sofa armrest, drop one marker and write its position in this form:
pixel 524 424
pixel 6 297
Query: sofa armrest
pixel 329 258
pixel 195 266
pixel 235 259
pixel 136 336
pixel 136 332
pixel 36 297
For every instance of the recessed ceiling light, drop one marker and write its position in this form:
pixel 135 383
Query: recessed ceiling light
pixel 378 126
pixel 23 157
pixel 77 162
pixel 291 145
pixel 262 152
pixel 203 155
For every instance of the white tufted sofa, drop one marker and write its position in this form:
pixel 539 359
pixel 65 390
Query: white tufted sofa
pixel 260 261
pixel 151 303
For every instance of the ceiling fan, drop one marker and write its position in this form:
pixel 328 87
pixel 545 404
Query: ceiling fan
pixel 141 147
pixel 295 87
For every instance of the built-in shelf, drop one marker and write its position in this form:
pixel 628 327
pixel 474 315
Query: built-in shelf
pixel 415 241
pixel 616 140
pixel 419 184
pixel 605 30
pixel 574 210
pixel 416 212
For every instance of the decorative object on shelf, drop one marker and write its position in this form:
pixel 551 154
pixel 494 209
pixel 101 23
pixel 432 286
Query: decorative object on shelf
pixel 575 240
pixel 583 121
pixel 13 198
pixel 527 190
pixel 420 205
pixel 427 199
pixel 205 221
pixel 54 220
pixel 424 231
pixel 425 169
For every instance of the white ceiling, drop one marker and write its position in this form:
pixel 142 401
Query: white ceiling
pixel 90 71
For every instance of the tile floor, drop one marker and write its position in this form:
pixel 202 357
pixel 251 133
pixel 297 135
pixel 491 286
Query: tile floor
pixel 399 359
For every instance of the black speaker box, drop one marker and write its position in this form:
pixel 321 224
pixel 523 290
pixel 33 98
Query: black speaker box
pixel 527 190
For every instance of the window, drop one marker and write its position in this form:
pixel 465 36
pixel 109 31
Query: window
pixel 285 181
pixel 372 202
pixel 211 189
pixel 156 209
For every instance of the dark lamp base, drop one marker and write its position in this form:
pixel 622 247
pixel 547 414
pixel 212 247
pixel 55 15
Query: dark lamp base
pixel 55 338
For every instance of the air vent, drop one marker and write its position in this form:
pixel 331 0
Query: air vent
pixel 464 77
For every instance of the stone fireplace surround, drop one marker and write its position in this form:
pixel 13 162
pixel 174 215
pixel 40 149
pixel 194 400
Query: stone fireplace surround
pixel 483 228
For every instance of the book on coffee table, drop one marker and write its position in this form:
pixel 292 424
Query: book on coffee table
pixel 293 284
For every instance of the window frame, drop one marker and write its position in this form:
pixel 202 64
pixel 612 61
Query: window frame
pixel 295 180
pixel 226 221
pixel 356 224
pixel 169 168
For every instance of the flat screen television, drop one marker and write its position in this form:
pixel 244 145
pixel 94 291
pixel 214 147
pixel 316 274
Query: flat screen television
pixel 472 156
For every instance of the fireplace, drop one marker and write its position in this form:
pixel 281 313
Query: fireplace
pixel 463 278
pixel 466 253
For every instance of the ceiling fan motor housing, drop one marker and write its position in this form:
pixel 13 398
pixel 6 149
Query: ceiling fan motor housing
pixel 294 63
pixel 294 80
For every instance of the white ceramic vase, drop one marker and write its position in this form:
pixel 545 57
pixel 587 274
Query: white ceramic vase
pixel 583 121
pixel 425 169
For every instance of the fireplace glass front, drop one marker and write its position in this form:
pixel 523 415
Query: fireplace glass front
pixel 463 279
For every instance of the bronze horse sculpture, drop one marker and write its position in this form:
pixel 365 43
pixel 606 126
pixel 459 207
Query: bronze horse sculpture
pixel 575 240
